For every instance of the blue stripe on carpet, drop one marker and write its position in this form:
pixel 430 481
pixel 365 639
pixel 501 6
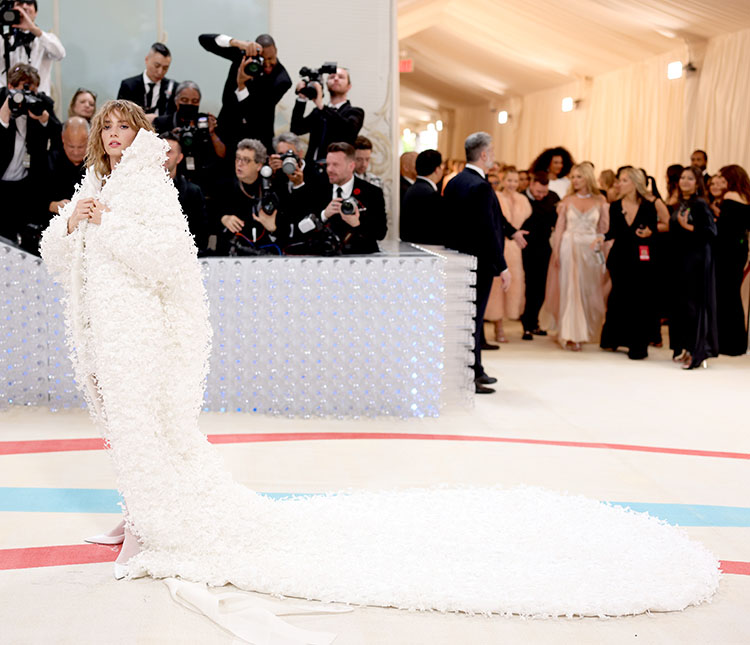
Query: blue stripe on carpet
pixel 100 500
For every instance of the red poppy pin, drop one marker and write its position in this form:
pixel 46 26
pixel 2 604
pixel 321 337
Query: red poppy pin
pixel 355 191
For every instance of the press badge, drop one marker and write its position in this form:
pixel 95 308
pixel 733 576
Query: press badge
pixel 644 253
pixel 27 161
pixel 190 163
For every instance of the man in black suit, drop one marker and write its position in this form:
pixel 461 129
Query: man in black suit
pixel 338 121
pixel 151 89
pixel 407 164
pixel 699 159
pixel 477 230
pixel 357 231
pixel 248 103
pixel 66 168
pixel 421 214
pixel 189 194
pixel 24 140
pixel 537 253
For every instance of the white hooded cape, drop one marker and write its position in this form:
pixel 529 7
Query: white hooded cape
pixel 138 320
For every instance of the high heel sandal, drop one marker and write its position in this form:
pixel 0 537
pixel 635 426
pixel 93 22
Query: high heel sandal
pixel 679 358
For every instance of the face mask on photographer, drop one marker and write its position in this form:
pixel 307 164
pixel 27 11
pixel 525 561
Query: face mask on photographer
pixel 187 112
pixel 188 102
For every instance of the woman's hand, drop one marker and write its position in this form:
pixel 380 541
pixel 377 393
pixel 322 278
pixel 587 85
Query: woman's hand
pixel 645 231
pixel 95 215
pixel 80 213
pixel 232 223
pixel 682 218
pixel 597 242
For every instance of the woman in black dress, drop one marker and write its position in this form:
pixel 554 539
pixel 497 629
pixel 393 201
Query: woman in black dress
pixel 631 314
pixel 732 224
pixel 693 334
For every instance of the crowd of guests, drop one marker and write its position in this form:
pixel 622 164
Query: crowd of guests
pixel 604 259
pixel 245 190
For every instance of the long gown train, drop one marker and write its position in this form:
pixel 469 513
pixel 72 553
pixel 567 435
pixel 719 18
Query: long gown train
pixel 138 321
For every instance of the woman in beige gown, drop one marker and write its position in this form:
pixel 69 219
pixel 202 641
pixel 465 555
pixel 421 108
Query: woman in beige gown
pixel 509 304
pixel 574 305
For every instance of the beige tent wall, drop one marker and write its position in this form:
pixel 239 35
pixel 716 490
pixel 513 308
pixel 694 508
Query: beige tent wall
pixel 634 115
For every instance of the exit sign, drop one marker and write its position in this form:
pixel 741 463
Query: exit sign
pixel 405 65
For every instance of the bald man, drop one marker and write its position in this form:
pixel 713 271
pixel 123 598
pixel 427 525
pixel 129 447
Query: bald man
pixel 66 165
pixel 408 173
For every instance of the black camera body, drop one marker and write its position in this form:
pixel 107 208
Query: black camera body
pixel 290 162
pixel 254 67
pixel 193 136
pixel 8 15
pixel 22 102
pixel 314 75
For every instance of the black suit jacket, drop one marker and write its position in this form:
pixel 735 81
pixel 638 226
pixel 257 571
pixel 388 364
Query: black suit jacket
pixel 252 118
pixel 422 214
pixel 373 223
pixel 38 139
pixel 133 89
pixel 193 204
pixel 64 176
pixel 326 126
pixel 476 220
pixel 541 222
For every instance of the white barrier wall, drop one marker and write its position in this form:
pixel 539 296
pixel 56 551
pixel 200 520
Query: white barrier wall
pixel 359 336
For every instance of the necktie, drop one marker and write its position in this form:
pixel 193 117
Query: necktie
pixel 149 95
pixel 339 192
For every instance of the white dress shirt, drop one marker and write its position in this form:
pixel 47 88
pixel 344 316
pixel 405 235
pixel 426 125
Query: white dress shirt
pixel 15 170
pixel 45 49
pixel 477 169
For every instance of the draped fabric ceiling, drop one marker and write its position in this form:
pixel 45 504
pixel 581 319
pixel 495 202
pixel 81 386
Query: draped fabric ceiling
pixel 473 58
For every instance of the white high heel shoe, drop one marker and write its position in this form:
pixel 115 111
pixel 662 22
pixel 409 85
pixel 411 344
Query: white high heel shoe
pixel 103 538
pixel 120 571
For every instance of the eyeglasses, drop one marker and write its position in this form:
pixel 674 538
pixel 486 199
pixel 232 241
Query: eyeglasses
pixel 240 159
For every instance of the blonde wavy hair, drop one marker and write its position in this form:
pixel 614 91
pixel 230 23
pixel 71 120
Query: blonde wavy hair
pixel 133 115
pixel 639 180
pixel 586 169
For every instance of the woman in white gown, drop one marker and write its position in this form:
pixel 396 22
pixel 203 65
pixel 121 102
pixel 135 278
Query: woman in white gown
pixel 574 305
pixel 139 334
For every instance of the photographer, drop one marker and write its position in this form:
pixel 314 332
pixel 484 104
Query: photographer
pixel 255 84
pixel 66 168
pixel 201 146
pixel 27 124
pixel 362 157
pixel 350 208
pixel 28 44
pixel 189 194
pixel 337 121
pixel 246 227
pixel 151 89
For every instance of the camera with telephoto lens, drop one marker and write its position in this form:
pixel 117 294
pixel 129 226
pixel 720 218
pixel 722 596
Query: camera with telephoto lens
pixel 289 162
pixel 9 16
pixel 254 67
pixel 312 75
pixel 25 101
pixel 269 202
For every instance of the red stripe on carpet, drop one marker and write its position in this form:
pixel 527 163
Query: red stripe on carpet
pixel 61 445
pixel 738 568
pixel 55 556
pixel 70 554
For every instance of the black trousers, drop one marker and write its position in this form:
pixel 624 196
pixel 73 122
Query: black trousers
pixel 18 204
pixel 535 265
pixel 483 288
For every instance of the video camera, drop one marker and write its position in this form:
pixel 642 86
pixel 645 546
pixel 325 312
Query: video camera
pixel 22 102
pixel 312 75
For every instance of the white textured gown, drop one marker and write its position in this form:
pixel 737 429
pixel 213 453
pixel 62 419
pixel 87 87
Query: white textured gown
pixel 138 322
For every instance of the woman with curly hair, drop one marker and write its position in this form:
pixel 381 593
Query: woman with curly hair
pixel 732 226
pixel 557 163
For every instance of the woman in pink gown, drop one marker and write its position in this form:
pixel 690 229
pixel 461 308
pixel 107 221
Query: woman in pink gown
pixel 509 304
pixel 574 305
